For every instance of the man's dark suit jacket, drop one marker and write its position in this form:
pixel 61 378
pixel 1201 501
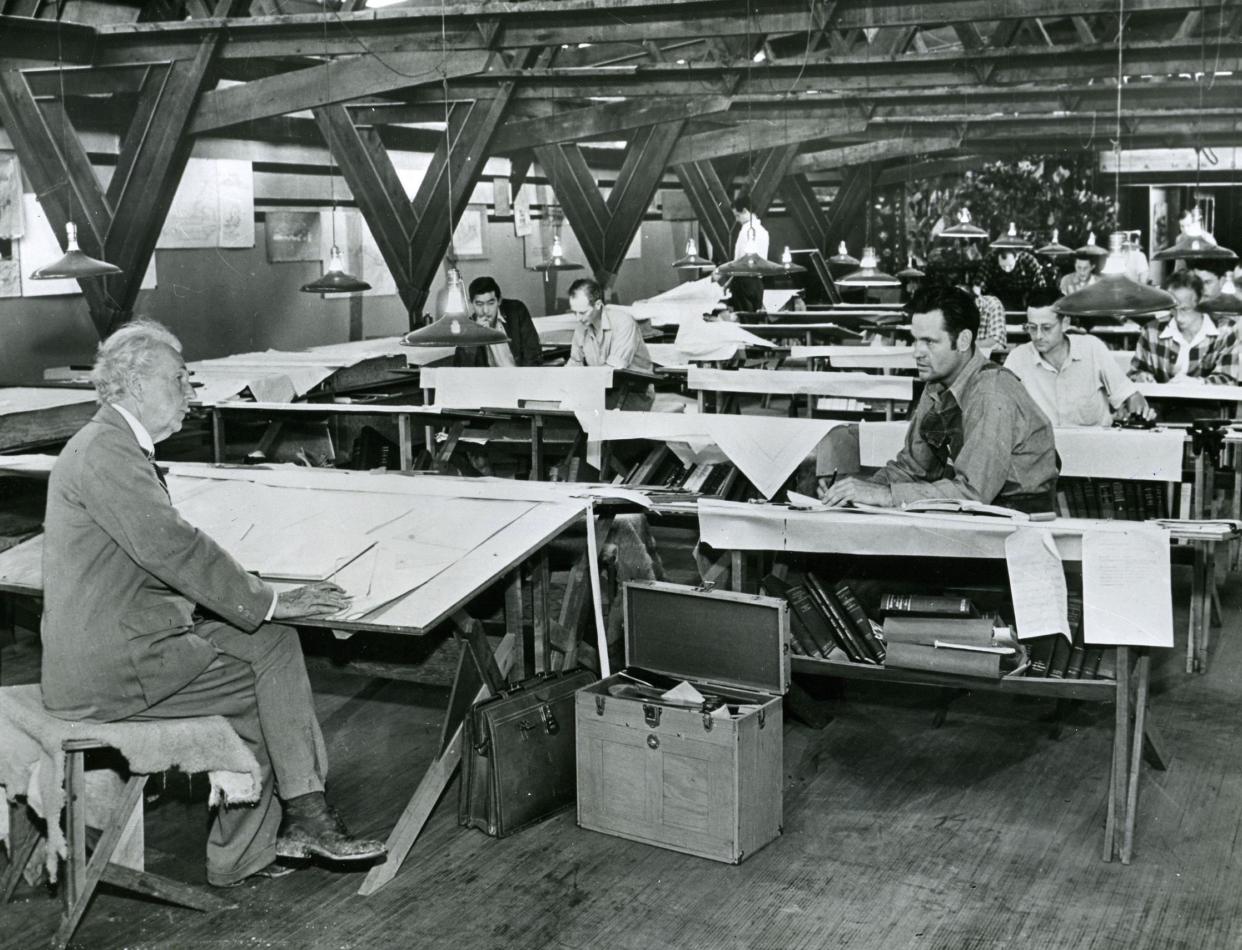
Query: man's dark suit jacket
pixel 523 339
pixel 123 572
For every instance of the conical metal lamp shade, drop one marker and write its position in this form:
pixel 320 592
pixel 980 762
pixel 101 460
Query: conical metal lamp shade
pixel 1090 249
pixel 454 330
pixel 752 265
pixel 1227 301
pixel 1010 241
pixel 788 265
pixel 557 260
pixel 1189 246
pixel 1054 248
pixel 843 258
pixel 335 280
pixel 964 230
pixel 75 264
pixel 1115 294
pixel 869 274
pixel 910 272
pixel 692 260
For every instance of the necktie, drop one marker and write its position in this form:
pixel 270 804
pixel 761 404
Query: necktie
pixel 159 473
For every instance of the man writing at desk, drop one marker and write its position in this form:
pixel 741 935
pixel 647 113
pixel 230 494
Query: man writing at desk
pixel 147 618
pixel 1073 378
pixel 607 336
pixel 510 316
pixel 975 433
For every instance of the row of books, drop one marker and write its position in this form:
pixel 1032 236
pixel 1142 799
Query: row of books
pixel 826 618
pixel 661 468
pixel 1123 500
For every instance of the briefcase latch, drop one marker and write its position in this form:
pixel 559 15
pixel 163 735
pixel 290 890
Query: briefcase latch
pixel 651 715
pixel 550 725
pixel 599 705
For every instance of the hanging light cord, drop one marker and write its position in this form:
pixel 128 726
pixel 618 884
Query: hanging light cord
pixel 1121 31
pixel 448 143
pixel 331 158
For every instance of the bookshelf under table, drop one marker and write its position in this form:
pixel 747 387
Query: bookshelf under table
pixel 739 530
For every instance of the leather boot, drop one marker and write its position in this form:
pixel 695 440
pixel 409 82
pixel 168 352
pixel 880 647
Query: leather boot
pixel 311 827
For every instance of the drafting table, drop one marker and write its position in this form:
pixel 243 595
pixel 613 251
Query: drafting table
pixel 39 416
pixel 1125 454
pixel 419 526
pixel 742 529
pixel 857 357
pixel 863 386
pixel 807 332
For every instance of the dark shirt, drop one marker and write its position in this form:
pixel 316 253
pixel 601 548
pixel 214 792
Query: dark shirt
pixel 982 438
pixel 523 338
pixel 1013 287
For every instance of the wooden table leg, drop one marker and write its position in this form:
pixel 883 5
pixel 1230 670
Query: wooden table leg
pixel 1198 576
pixel 429 789
pixel 1142 668
pixel 540 582
pixel 524 659
pixel 1121 752
pixel 21 849
pixel 217 435
pixel 536 447
pixel 405 442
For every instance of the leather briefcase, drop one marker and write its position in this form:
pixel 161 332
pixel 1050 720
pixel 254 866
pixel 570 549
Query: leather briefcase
pixel 518 758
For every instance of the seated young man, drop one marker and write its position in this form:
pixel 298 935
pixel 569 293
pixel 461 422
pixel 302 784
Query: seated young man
pixel 607 336
pixel 511 316
pixel 975 433
pixel 1073 378
pixel 1188 348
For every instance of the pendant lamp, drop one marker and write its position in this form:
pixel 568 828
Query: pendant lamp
pixel 1115 294
pixel 1226 301
pixel 787 263
pixel 692 260
pixel 910 272
pixel 1091 250
pixel 75 263
pixel 752 265
pixel 843 258
pixel 453 326
pixel 557 260
pixel 1010 241
pixel 869 274
pixel 1192 243
pixel 335 280
pixel 964 230
pixel 1054 248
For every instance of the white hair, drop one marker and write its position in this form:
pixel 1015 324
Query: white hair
pixel 127 353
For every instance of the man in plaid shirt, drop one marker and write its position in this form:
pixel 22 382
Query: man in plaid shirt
pixel 1189 347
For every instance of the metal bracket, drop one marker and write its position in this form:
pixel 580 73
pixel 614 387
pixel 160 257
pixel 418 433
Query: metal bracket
pixel 599 704
pixel 651 715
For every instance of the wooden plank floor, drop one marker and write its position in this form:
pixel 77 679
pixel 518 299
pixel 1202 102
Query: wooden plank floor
pixel 984 833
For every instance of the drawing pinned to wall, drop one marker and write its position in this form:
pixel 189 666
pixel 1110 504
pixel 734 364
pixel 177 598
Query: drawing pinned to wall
pixel 374 268
pixel 213 206
pixel 502 197
pixel 39 246
pixel 10 197
pixel 469 237
pixel 292 236
pixel 523 225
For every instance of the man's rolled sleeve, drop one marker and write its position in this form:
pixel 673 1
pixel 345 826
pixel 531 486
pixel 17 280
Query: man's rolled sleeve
pixel 624 344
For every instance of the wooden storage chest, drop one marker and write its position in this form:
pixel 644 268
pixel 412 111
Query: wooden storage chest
pixel 678 777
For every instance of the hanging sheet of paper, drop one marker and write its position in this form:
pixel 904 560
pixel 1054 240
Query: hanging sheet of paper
pixel 1125 587
pixel 1037 583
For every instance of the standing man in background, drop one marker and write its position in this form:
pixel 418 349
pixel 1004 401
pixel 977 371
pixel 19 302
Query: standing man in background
pixel 746 293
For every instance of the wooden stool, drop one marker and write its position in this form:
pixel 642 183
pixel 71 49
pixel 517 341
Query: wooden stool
pixel 119 834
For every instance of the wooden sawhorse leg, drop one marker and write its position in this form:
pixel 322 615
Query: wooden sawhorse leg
pixel 1134 738
pixel 83 876
pixel 25 838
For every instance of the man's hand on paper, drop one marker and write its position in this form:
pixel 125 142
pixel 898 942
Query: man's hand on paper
pixel 311 600
pixel 858 490
pixel 1136 405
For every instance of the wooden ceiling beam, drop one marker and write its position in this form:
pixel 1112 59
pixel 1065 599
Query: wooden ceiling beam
pixel 711 203
pixel 879 151
pixel 767 171
pixel 574 183
pixel 761 133
pixel 334 82
pixel 580 125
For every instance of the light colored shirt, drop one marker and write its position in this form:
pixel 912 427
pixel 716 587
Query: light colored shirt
pixel 1085 391
pixel 148 446
pixel 500 354
pixel 617 342
pixel 751 239
pixel 1071 283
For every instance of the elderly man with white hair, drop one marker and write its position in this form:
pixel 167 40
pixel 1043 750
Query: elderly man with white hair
pixel 145 617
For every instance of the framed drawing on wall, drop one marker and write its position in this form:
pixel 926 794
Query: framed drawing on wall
pixel 469 239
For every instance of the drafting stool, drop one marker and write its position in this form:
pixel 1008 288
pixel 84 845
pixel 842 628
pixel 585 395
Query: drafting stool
pixel 117 857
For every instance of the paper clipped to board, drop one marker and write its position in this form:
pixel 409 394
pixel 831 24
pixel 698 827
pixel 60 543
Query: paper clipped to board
pixel 1037 583
pixel 1125 587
